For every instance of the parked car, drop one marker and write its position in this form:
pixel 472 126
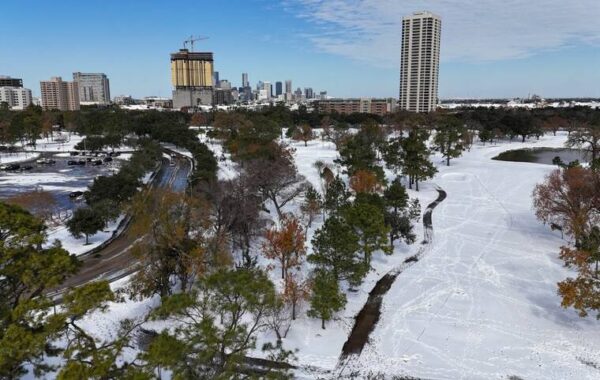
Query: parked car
pixel 27 167
pixel 97 162
pixel 12 167
pixel 75 194
pixel 74 153
pixel 108 159
pixel 10 149
pixel 72 162
pixel 45 161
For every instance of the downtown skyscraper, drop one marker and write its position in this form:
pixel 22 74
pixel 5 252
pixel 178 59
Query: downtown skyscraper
pixel 420 61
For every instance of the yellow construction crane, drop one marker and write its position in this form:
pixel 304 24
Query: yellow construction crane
pixel 191 41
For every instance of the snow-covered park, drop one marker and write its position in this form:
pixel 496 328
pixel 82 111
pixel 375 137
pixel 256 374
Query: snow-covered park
pixel 481 303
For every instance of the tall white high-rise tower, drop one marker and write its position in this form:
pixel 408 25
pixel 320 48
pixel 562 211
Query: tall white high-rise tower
pixel 420 61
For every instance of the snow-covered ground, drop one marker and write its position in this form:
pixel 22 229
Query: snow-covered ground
pixel 77 246
pixel 314 346
pixel 480 304
pixel 9 158
pixel 483 304
pixel 60 142
pixel 227 168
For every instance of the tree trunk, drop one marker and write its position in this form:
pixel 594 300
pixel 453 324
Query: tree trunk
pixel 323 323
pixel 417 185
pixel 293 311
pixel 447 160
pixel 87 240
pixel 277 207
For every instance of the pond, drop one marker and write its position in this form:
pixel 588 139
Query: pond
pixel 542 155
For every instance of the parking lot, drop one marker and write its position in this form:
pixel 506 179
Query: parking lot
pixel 60 174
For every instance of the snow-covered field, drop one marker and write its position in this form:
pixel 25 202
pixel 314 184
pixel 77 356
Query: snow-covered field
pixel 480 304
pixel 60 142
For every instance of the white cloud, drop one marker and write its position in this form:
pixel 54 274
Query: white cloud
pixel 472 30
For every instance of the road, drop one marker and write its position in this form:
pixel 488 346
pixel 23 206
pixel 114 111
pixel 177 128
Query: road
pixel 115 260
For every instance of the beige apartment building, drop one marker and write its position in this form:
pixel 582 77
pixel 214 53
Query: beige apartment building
pixel 420 61
pixel 60 95
pixel 357 105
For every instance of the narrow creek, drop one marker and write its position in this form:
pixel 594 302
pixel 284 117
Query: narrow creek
pixel 367 318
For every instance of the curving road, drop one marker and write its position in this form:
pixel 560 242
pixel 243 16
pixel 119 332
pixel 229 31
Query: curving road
pixel 115 260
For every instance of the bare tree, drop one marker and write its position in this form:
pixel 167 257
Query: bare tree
pixel 277 179
pixel 588 139
pixel 39 202
pixel 241 206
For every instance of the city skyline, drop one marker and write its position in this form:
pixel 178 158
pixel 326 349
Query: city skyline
pixel 500 53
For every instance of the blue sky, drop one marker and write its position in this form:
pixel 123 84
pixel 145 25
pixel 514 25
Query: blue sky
pixel 490 48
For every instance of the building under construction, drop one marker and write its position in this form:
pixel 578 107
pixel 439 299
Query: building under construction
pixel 192 78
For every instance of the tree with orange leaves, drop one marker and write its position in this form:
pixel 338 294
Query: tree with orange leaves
pixel 569 198
pixel 295 292
pixel 199 119
pixel 304 133
pixel 583 291
pixel 365 181
pixel 285 244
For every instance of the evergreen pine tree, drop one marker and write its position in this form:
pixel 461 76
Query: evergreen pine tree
pixel 336 249
pixel 366 217
pixel 326 298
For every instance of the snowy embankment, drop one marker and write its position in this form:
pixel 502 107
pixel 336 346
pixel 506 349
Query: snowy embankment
pixel 11 158
pixel 227 168
pixel 77 246
pixel 483 303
